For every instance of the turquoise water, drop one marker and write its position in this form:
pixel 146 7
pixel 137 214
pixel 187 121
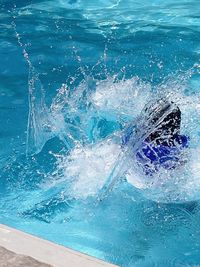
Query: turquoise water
pixel 73 75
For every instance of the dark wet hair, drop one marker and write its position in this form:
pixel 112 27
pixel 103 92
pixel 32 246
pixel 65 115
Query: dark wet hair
pixel 165 116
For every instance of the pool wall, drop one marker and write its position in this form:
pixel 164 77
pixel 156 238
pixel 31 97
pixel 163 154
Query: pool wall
pixel 19 249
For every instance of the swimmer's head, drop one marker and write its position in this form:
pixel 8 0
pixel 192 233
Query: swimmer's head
pixel 162 119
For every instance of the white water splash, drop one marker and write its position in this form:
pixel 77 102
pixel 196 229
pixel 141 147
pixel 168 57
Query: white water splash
pixel 89 166
pixel 125 97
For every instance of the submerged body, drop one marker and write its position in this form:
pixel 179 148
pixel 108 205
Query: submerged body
pixel 152 157
pixel 162 145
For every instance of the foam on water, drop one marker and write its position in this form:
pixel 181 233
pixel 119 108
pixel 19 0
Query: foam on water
pixel 94 159
pixel 89 167
pixel 125 97
pixel 89 162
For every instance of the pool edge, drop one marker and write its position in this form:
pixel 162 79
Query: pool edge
pixel 45 251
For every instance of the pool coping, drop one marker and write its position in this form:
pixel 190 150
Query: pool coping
pixel 45 251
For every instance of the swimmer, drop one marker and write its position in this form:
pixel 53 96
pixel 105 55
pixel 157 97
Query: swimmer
pixel 162 144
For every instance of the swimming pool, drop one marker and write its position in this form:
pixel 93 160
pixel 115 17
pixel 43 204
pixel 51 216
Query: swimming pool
pixel 73 74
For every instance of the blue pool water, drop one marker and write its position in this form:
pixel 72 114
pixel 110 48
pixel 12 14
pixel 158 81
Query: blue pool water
pixel 73 75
